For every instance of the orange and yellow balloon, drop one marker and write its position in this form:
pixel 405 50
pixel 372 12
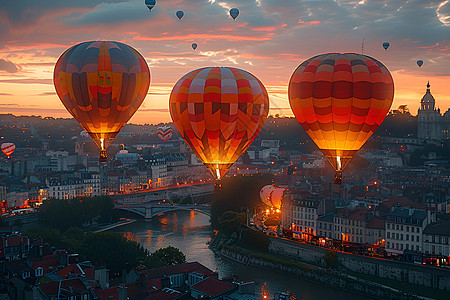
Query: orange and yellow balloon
pixel 219 111
pixel 340 100
pixel 101 84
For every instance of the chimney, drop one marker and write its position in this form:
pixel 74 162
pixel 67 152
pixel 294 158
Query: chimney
pixel 123 293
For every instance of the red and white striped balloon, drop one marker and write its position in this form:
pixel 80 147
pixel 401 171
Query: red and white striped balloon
pixel 8 148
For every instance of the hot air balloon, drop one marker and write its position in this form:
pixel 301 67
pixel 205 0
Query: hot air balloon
pixel 8 149
pixel 101 84
pixel 386 45
pixel 165 133
pixel 180 14
pixel 234 13
pixel 219 111
pixel 340 100
pixel 150 4
pixel 194 46
pixel 272 196
pixel 420 63
pixel 265 193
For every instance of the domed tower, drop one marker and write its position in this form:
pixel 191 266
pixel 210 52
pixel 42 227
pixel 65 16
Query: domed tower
pixel 429 118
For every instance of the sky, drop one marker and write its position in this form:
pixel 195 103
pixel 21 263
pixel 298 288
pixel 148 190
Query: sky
pixel 270 38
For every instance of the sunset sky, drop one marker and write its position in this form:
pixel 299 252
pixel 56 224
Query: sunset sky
pixel 270 38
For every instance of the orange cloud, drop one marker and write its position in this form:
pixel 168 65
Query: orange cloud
pixel 315 22
pixel 269 28
pixel 192 36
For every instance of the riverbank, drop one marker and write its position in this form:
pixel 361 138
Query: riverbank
pixel 328 277
pixel 102 228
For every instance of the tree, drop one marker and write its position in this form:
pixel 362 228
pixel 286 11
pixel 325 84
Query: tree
pixel 114 250
pixel 254 240
pixel 230 221
pixel 165 257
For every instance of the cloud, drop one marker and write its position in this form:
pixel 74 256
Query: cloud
pixel 27 81
pixel 47 94
pixel 8 66
pixel 161 110
pixel 5 94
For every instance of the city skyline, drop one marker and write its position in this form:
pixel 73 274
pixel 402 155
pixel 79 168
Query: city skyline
pixel 268 39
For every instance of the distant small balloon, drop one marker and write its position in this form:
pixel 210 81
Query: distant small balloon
pixel 194 46
pixel 180 14
pixel 386 45
pixel 150 4
pixel 420 63
pixel 234 13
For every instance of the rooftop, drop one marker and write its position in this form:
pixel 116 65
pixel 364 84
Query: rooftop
pixel 212 287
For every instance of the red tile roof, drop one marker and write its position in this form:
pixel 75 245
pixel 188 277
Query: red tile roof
pixel 108 294
pixel 178 269
pixel 45 263
pixel 163 295
pixel 51 288
pixel 212 287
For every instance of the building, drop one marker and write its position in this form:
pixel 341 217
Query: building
pixel 431 124
pixel 436 242
pixel 404 229
pixel 349 225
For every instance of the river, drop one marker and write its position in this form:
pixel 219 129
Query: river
pixel 190 232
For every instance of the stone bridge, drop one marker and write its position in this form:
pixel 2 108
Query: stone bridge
pixel 152 210
pixel 192 191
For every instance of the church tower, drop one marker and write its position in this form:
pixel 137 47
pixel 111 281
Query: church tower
pixel 429 118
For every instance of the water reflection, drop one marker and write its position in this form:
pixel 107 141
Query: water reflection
pixel 190 232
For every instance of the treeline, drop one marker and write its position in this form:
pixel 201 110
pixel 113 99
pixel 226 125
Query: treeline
pixel 238 194
pixel 65 213
pixel 109 248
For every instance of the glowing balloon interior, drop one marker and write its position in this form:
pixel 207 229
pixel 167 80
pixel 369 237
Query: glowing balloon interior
pixel 340 100
pixel 219 111
pixel 8 148
pixel 101 84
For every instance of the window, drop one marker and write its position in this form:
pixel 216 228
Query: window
pixel 407 228
pixel 388 226
pixel 388 235
pixel 407 238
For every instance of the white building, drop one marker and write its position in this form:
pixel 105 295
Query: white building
pixel 431 124
pixel 436 239
pixel 404 229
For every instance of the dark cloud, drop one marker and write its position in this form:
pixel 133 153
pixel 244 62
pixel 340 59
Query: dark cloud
pixel 8 66
pixel 5 94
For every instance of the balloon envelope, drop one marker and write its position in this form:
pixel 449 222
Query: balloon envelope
pixel 272 196
pixel 340 100
pixel 265 193
pixel 420 63
pixel 194 46
pixel 386 45
pixel 165 133
pixel 234 12
pixel 219 111
pixel 180 14
pixel 150 4
pixel 8 148
pixel 101 84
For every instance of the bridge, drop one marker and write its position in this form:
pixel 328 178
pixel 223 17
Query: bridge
pixel 190 191
pixel 152 210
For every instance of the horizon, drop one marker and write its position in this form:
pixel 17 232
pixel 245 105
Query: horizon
pixel 267 39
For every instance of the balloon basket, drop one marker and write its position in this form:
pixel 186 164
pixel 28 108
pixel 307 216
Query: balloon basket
pixel 338 177
pixel 103 156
